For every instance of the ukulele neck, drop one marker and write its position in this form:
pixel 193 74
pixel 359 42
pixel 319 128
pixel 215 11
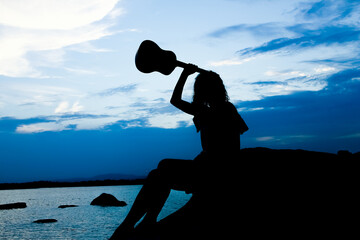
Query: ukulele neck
pixel 183 65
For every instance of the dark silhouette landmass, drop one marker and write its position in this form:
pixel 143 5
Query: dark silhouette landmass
pixel 50 184
pixel 102 177
pixel 272 193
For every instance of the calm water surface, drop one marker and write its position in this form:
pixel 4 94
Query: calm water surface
pixel 82 222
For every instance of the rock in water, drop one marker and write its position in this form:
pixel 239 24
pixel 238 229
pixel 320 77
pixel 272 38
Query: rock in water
pixel 45 221
pixel 12 206
pixel 107 200
pixel 67 206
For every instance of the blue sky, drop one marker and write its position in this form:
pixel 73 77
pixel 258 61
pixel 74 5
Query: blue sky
pixel 72 103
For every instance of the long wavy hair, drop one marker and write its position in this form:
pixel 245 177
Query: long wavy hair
pixel 209 89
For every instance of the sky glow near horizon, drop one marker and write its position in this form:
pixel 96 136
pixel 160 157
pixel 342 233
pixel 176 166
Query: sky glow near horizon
pixel 290 67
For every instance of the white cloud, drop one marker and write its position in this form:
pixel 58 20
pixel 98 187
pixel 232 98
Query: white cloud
pixel 284 139
pixel 80 71
pixel 64 107
pixel 265 139
pixel 169 121
pixel 355 135
pixel 250 109
pixel 230 62
pixel 45 25
pixel 324 69
pixel 54 14
pixel 285 73
pixel 29 99
pixel 90 123
pixel 58 124
pixel 87 47
pixel 40 127
pixel 14 61
pixel 76 107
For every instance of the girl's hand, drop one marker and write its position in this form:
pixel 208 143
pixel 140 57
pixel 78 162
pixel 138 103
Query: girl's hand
pixel 190 69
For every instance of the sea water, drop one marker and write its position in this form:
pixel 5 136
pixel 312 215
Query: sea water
pixel 82 222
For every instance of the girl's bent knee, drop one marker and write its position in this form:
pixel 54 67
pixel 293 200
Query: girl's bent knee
pixel 163 164
pixel 153 174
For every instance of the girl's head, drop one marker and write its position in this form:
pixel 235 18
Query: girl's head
pixel 209 89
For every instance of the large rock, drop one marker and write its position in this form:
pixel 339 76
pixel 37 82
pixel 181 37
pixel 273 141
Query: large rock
pixel 12 206
pixel 107 200
pixel 283 194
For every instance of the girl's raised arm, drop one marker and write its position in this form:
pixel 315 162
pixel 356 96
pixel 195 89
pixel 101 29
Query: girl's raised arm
pixel 176 98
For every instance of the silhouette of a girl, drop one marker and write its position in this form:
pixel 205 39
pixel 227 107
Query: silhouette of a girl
pixel 220 127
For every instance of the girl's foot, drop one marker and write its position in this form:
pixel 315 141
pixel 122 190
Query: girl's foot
pixel 122 233
pixel 146 228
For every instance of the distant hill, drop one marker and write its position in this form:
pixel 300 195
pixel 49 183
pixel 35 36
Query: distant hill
pixel 100 180
pixel 111 176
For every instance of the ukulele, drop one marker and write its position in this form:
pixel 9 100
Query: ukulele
pixel 151 58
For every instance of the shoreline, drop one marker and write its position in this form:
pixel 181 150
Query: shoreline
pixel 54 184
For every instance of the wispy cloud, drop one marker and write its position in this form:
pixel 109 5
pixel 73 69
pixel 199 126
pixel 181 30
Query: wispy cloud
pixel 327 109
pixel 326 22
pixel 122 89
pixel 269 83
pixel 265 139
pixel 285 73
pixel 168 120
pixel 66 121
pixel 80 71
pixel 329 10
pixel 263 29
pixel 311 38
pixel 87 47
pixel 50 14
pixel 343 81
pixel 45 26
pixel 40 127
pixel 350 136
pixel 230 62
pixel 284 139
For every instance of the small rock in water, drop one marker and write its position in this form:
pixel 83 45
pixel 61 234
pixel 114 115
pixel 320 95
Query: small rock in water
pixel 67 206
pixel 45 221
pixel 12 206
pixel 107 200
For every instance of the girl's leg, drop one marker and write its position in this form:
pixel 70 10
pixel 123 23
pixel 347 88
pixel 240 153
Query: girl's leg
pixel 150 199
pixel 170 173
pixel 140 206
